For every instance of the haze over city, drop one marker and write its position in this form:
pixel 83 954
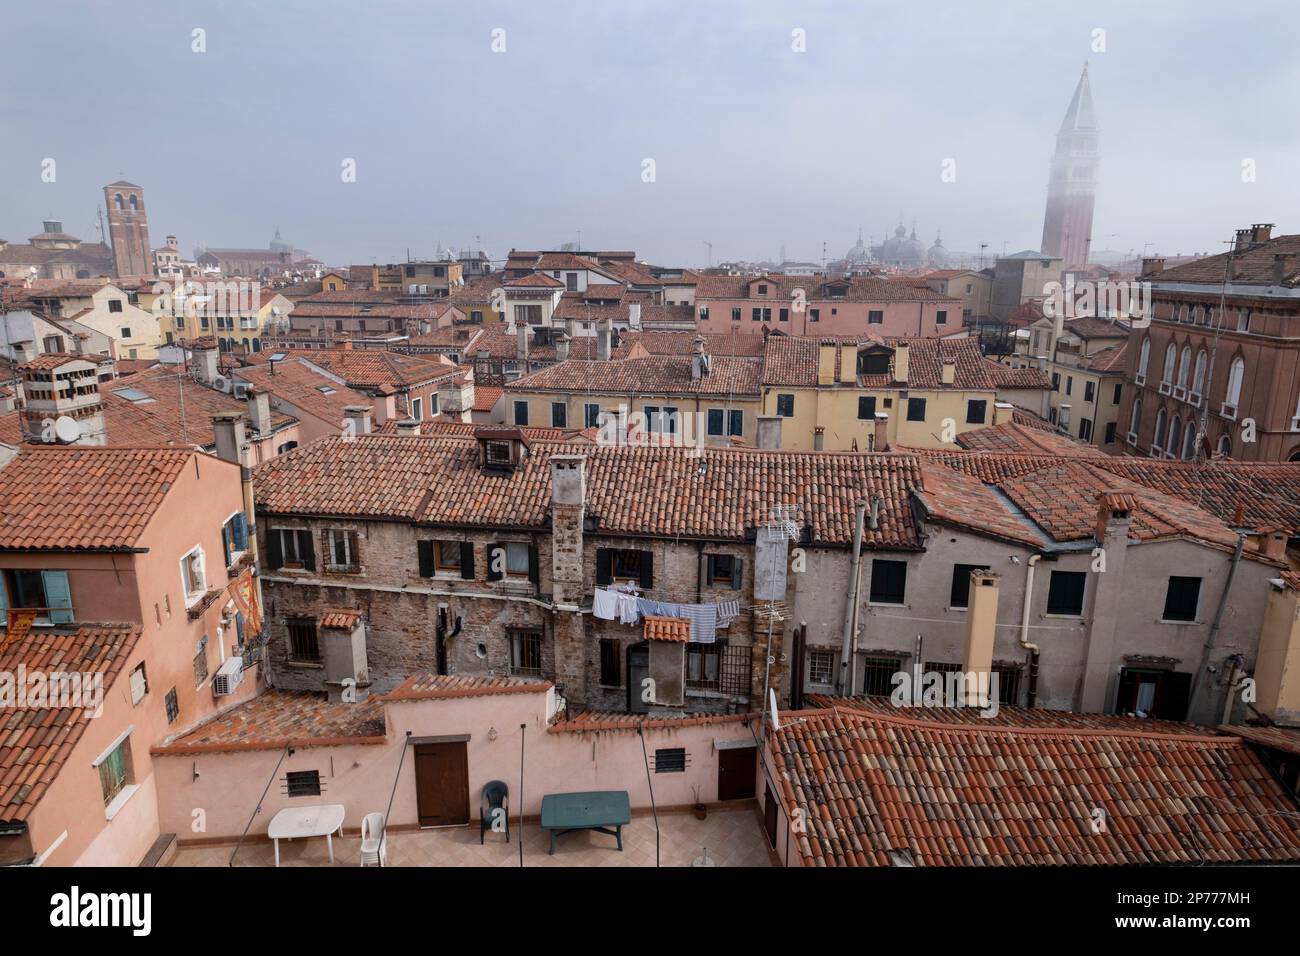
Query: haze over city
pixel 756 147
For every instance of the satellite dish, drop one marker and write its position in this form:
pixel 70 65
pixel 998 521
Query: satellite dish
pixel 67 429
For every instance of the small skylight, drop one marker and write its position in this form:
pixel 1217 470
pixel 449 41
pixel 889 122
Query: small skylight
pixel 133 395
pixel 325 389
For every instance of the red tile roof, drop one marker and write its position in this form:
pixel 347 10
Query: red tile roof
pixel 1254 265
pixel 78 497
pixel 597 721
pixel 371 368
pixel 283 718
pixel 673 629
pixel 859 289
pixel 1021 439
pixel 36 742
pixel 428 686
pixel 652 375
pixel 343 619
pixel 304 388
pixel 1286 739
pixel 868 785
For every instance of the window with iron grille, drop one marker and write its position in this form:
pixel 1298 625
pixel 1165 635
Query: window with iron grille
pixel 878 675
pixel 821 667
pixel 703 666
pixel 670 760
pixel 1008 685
pixel 526 652
pixel 302 783
pixel 737 670
pixel 303 645
pixel 172 705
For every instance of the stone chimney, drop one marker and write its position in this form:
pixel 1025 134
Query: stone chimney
pixel 229 430
pixel 562 347
pixel 604 332
pixel 880 434
pixel 949 372
pixel 902 355
pixel 568 494
pixel 521 344
pixel 408 428
pixel 1003 412
pixel 769 432
pixel 701 363
pixel 1277 660
pixel 259 410
pixel 206 357
pixel 1101 611
pixel 634 315
pixel 356 418
pixel 1152 266
pixel 826 362
pixel 343 653
pixel 981 631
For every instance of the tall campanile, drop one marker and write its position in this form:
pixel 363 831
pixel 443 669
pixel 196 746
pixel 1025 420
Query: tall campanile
pixel 128 229
pixel 1072 185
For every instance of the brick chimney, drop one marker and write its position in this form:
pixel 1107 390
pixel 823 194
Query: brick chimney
pixel 1153 266
pixel 1271 542
pixel 568 494
pixel 981 630
pixel 1261 232
pixel 259 410
pixel 880 434
pixel 1242 240
pixel 769 432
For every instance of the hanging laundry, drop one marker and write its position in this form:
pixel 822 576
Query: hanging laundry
pixel 704 621
pixel 604 605
pixel 628 612
pixel 656 608
pixel 728 611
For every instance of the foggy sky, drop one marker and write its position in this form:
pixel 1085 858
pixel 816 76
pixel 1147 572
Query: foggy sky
pixel 755 146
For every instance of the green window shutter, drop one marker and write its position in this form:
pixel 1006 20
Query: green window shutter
pixel 425 551
pixel 306 550
pixel 58 596
pixel 467 560
pixel 604 567
pixel 274 550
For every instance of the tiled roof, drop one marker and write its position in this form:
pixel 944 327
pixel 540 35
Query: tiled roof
pixel 715 493
pixel 50 361
pixel 501 343
pixel 535 280
pixel 596 721
pixel 868 785
pixel 35 742
pixel 446 427
pixel 1093 327
pixel 673 629
pixel 735 345
pixel 293 381
pixel 1004 376
pixel 652 375
pixel 428 686
pixel 792 361
pixel 77 497
pixel 371 368
pixel 343 619
pixel 1255 265
pixel 485 397
pixel 279 718
pixel 957 499
pixel 1286 739
pixel 1022 439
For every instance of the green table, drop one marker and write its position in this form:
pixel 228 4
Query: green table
pixel 598 810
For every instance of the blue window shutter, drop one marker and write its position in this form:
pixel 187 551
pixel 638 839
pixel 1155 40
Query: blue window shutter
pixel 241 532
pixel 58 595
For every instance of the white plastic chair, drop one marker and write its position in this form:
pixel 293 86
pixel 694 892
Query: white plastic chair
pixel 374 848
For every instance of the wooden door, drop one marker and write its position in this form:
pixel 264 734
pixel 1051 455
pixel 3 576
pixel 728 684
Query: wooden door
pixel 442 784
pixel 736 773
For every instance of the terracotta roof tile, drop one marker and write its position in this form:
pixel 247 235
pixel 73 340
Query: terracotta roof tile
pixel 868 785
pixel 673 629
pixel 35 742
pixel 428 686
pixel 278 718
pixel 343 619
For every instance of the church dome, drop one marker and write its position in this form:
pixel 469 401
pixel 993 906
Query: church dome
pixel 937 255
pixel 903 250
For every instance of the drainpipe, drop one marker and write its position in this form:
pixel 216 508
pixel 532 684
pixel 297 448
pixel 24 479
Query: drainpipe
pixel 846 644
pixel 1032 693
pixel 1214 627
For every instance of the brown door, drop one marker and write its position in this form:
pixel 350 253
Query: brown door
pixel 736 773
pixel 442 784
pixel 769 815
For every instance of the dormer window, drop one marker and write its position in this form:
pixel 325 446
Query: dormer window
pixel 498 453
pixel 762 289
pixel 501 450
pixel 873 363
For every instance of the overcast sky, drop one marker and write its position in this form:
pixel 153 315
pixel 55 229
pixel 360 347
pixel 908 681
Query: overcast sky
pixel 755 146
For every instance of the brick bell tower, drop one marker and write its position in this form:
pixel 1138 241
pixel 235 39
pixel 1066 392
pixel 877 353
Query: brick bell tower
pixel 1072 184
pixel 128 229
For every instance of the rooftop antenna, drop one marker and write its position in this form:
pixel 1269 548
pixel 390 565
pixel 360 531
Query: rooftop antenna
pixel 710 245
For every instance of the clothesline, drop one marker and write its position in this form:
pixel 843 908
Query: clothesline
pixel 674 596
pixel 624 603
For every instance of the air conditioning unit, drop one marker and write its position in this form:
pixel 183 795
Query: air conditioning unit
pixel 222 384
pixel 229 676
pixel 241 390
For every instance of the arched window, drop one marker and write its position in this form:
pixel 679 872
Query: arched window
pixel 1225 446
pixel 1167 373
pixel 1232 398
pixel 1191 316
pixel 1158 439
pixel 1144 357
pixel 117 201
pixel 1175 430
pixel 1198 377
pixel 1184 366
pixel 135 204
pixel 1135 419
pixel 257 345
pixel 1209 315
pixel 1189 440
